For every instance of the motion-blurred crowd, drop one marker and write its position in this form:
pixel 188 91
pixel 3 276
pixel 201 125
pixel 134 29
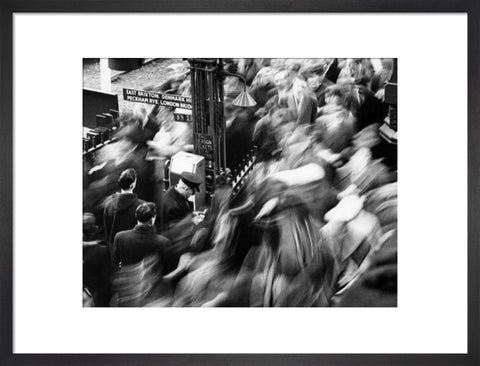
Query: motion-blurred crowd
pixel 315 224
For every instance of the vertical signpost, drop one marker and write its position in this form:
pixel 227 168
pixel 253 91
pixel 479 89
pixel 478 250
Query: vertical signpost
pixel 208 117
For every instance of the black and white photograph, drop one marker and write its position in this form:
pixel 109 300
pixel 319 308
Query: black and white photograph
pixel 239 196
pixel 240 182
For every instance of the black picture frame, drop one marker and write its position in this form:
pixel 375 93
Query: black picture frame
pixel 9 7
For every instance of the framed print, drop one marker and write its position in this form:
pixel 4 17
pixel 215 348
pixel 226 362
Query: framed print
pixel 151 64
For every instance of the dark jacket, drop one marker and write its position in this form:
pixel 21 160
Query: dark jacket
pixel 132 246
pixel 307 110
pixel 337 138
pixel 97 270
pixel 377 285
pixel 174 208
pixel 119 215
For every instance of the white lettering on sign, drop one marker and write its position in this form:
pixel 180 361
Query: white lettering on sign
pixel 132 98
pixel 168 100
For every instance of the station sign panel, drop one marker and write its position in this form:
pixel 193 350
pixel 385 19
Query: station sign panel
pixel 204 145
pixel 151 97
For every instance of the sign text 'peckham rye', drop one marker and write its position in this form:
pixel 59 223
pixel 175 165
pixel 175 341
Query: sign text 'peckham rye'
pixel 150 97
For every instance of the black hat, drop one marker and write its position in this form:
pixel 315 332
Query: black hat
pixel 146 211
pixel 192 181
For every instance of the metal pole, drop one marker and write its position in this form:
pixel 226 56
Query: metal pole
pixel 221 116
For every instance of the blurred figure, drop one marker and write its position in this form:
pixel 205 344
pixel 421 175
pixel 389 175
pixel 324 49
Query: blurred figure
pixel 176 74
pixel 134 284
pixel 270 132
pixel 381 76
pixel 314 66
pixel 307 107
pixel 128 150
pixel 335 127
pixel 97 266
pixel 216 254
pixel 348 69
pixel 370 109
pixel 382 202
pixel 287 263
pixel 203 238
pixel 248 67
pixel 353 234
pixel 298 101
pixel 147 114
pixel 262 88
pixel 361 173
pixel 332 70
pixel 295 266
pixel 318 85
pixel 119 213
pixel 240 123
pixel 376 286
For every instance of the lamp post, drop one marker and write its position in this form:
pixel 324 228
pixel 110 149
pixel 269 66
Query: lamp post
pixel 244 99
pixel 207 77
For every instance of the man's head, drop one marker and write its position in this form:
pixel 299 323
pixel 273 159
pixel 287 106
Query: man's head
pixel 89 227
pixel 128 180
pixel 283 80
pixel 314 81
pixel 188 184
pixel 334 94
pixel 146 213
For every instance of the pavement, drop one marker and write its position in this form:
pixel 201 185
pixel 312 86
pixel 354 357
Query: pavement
pixel 151 73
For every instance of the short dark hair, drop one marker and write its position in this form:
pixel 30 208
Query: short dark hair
pixel 127 177
pixel 146 211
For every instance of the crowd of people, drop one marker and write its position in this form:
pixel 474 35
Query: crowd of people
pixel 315 224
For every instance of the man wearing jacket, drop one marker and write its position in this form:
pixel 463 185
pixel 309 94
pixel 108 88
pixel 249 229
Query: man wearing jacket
pixel 119 212
pixel 175 205
pixel 131 246
pixel 141 255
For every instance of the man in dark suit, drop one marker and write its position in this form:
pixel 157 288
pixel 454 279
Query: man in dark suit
pixel 175 205
pixel 119 212
pixel 141 255
pixel 132 246
pixel 299 101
